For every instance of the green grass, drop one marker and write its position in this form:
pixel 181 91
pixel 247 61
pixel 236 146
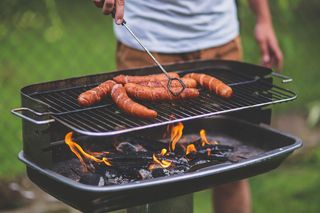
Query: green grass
pixel 28 55
pixel 291 188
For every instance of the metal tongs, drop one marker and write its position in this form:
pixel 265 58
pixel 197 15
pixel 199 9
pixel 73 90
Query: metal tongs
pixel 170 79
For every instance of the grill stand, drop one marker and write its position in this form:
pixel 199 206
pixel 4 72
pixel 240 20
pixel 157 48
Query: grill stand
pixel 177 204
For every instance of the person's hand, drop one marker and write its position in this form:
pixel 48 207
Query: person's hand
pixel 108 5
pixel 271 54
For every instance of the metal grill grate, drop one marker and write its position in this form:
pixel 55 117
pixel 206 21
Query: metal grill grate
pixel 106 119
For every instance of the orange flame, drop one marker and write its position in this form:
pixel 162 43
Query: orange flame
pixel 191 148
pixel 162 163
pixel 176 134
pixel 79 152
pixel 163 152
pixel 204 139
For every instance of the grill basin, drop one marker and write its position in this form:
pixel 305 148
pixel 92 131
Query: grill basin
pixel 271 148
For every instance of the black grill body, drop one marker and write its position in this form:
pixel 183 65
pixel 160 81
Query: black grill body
pixel 266 148
pixel 243 114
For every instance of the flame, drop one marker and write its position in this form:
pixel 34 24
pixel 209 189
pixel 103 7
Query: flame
pixel 176 133
pixel 79 152
pixel 163 152
pixel 162 163
pixel 191 148
pixel 97 154
pixel 204 139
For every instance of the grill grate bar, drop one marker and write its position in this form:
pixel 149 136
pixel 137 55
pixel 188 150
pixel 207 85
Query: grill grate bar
pixel 106 119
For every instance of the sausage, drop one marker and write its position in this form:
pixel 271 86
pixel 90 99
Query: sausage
pixel 189 82
pixel 212 84
pixel 126 104
pixel 95 94
pixel 123 79
pixel 158 93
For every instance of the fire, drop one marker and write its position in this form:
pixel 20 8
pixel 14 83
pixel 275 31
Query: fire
pixel 80 153
pixel 176 133
pixel 191 148
pixel 204 139
pixel 162 163
pixel 163 152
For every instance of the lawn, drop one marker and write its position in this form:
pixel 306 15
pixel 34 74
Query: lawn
pixel 48 40
pixel 294 187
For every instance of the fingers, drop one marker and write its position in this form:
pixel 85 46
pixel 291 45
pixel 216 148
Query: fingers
pixel 98 3
pixel 119 11
pixel 108 6
pixel 265 54
pixel 276 55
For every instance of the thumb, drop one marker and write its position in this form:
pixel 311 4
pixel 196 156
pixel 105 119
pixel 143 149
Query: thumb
pixel 119 11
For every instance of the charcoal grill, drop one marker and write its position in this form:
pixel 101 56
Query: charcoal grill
pixel 49 110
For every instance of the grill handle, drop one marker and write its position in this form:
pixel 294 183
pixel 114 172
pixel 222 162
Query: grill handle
pixel 285 79
pixel 18 112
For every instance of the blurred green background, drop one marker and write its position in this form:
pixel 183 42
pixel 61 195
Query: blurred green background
pixel 43 40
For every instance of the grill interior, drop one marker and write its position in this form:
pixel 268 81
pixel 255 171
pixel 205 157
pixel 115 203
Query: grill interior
pixel 106 119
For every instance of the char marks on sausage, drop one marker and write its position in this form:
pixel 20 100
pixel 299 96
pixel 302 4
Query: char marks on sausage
pixel 158 93
pixel 126 104
pixel 123 79
pixel 189 82
pixel 211 83
pixel 95 94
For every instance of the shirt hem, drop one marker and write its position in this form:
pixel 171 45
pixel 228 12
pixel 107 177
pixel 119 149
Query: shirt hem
pixel 161 49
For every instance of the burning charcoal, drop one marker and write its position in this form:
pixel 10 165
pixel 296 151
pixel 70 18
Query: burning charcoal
pixel 183 161
pixel 219 157
pixel 126 147
pixel 158 172
pixel 219 148
pixel 72 169
pixel 92 179
pixel 130 173
pixel 179 150
pixel 149 144
pixel 130 160
pixel 200 164
pixel 111 173
pixel 145 174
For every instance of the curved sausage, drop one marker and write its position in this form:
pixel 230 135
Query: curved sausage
pixel 123 79
pixel 189 82
pixel 212 84
pixel 158 93
pixel 120 97
pixel 95 94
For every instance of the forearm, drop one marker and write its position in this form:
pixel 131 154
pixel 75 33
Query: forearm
pixel 261 11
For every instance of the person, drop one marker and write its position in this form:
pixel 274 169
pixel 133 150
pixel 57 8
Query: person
pixel 181 30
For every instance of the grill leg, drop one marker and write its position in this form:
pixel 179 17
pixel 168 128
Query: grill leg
pixel 173 205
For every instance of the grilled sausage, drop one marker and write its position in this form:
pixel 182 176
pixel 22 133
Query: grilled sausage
pixel 123 79
pixel 120 97
pixel 95 94
pixel 189 82
pixel 212 84
pixel 158 93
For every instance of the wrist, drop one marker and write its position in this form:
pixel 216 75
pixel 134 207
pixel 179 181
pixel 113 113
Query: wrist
pixel 264 21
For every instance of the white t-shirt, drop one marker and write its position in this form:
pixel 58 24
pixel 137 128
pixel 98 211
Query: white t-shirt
pixel 179 26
